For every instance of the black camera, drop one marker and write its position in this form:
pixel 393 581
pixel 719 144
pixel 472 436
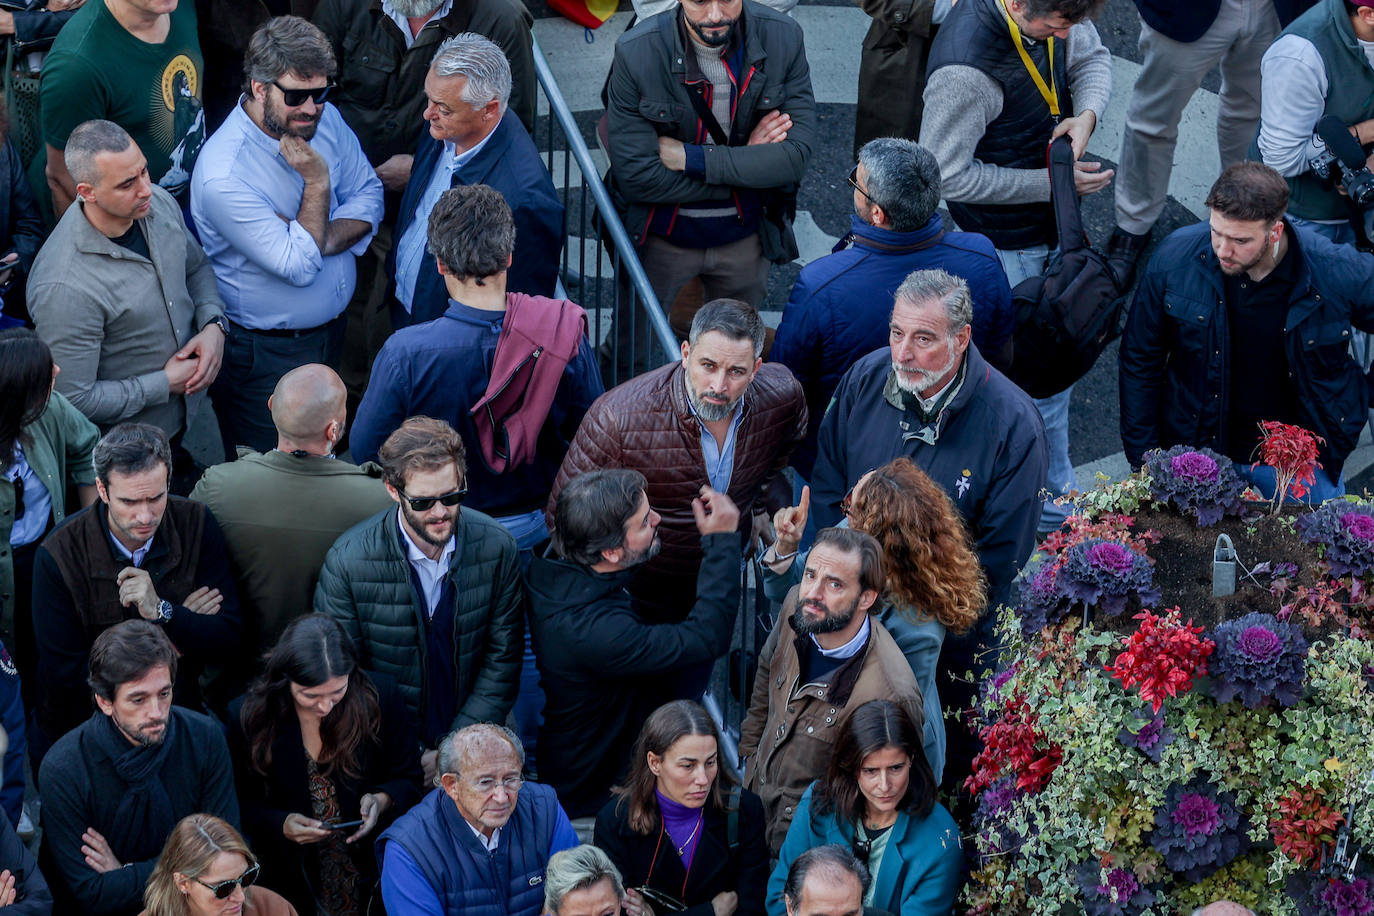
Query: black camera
pixel 1342 161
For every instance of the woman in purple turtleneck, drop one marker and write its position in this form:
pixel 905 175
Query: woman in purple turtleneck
pixel 685 837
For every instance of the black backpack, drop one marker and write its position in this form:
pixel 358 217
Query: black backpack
pixel 1066 318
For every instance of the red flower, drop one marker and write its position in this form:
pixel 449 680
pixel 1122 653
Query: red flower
pixel 1162 657
pixel 1292 452
pixel 1010 748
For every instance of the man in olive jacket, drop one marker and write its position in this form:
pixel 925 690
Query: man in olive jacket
pixel 429 592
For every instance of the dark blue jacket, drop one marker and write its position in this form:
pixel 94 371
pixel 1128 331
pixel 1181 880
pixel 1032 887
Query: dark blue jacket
pixel 1186 20
pixel 990 457
pixel 509 163
pixel 461 873
pixel 839 309
pixel 440 369
pixel 12 718
pixel 1176 351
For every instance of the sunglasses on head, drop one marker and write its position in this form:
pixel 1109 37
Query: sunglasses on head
pixel 222 889
pixel 425 503
pixel 295 97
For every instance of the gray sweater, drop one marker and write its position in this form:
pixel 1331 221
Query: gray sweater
pixel 962 101
pixel 113 318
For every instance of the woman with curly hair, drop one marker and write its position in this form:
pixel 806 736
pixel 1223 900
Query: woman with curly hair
pixel 934 581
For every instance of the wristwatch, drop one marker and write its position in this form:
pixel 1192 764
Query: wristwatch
pixel 164 611
pixel 219 321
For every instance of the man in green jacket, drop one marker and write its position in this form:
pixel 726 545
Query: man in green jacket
pixel 430 592
pixel 282 511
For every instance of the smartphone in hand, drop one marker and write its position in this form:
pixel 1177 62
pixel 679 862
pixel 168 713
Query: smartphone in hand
pixel 341 825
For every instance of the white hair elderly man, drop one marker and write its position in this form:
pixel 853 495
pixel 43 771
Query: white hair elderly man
pixel 481 840
pixel 583 881
pixel 474 139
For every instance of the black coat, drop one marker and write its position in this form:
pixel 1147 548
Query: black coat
pixel 32 897
pixel 604 668
pixel 715 869
pixel 392 766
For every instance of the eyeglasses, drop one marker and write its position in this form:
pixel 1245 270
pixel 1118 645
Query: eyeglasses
pixel 862 848
pixel 223 889
pixel 489 783
pixel 296 97
pixel 18 498
pixel 847 504
pixel 425 503
pixel 853 180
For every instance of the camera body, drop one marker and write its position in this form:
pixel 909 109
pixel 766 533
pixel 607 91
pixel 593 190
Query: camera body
pixel 1358 183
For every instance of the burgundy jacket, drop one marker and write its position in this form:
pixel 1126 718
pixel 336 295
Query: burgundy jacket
pixel 646 425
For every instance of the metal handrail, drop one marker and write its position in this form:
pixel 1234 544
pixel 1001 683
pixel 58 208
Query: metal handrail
pixel 626 254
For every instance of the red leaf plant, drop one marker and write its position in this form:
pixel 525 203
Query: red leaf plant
pixel 1306 824
pixel 1292 452
pixel 1012 746
pixel 1162 657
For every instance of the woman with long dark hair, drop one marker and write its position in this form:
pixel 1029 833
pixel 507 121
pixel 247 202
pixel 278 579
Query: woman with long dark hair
pixel 683 834
pixel 323 754
pixel 934 582
pixel 45 458
pixel 878 798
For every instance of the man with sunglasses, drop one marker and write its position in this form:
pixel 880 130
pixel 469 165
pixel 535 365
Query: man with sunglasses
pixel 284 200
pixel 481 841
pixel 115 787
pixel 430 593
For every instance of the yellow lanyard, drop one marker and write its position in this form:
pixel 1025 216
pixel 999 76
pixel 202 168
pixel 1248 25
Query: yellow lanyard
pixel 1048 92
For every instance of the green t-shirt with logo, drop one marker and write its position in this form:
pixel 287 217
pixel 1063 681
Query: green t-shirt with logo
pixel 96 69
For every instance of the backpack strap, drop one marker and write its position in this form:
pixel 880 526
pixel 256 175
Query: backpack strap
pixel 732 799
pixel 1064 195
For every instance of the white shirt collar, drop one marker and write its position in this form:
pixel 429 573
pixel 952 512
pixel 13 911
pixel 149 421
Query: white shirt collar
pixel 403 22
pixel 928 404
pixel 851 648
pixel 488 844
pixel 417 555
pixel 136 557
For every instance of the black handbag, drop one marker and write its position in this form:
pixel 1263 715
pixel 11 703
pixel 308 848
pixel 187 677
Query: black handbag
pixel 1067 317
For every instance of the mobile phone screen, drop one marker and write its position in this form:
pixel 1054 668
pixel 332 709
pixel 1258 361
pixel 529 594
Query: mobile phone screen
pixel 342 825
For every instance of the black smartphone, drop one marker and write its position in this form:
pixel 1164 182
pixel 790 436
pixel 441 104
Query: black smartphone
pixel 341 825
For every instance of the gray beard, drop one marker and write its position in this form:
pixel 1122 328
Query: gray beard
pixel 414 9
pixel 708 410
pixel 926 378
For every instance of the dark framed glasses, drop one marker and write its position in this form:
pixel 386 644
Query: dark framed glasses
pixel 853 180
pixel 295 97
pixel 223 889
pixel 863 848
pixel 425 503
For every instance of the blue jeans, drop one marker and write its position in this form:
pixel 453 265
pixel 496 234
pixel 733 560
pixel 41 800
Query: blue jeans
pixel 1054 410
pixel 529 531
pixel 1265 481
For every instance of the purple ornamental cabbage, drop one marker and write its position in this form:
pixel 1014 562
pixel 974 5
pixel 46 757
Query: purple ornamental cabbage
pixel 1151 738
pixel 1258 657
pixel 1113 892
pixel 990 818
pixel 1106 575
pixel 1041 602
pixel 1197 482
pixel 1319 895
pixel 1346 530
pixel 1198 829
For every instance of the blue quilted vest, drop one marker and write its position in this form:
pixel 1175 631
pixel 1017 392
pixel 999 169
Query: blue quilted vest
pixel 467 878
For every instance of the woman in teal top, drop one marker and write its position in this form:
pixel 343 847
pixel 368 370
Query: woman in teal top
pixel 878 798
pixel 934 582
pixel 45 453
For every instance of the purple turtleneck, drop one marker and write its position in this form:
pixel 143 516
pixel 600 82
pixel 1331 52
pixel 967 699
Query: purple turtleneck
pixel 680 821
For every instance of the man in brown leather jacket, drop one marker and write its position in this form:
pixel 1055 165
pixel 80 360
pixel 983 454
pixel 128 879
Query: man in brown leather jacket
pixel 827 655
pixel 720 417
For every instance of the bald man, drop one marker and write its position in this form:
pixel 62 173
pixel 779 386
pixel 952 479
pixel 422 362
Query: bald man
pixel 281 511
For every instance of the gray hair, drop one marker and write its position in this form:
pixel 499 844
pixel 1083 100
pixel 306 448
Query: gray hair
pixel 904 179
pixel 88 140
pixel 472 232
pixel 577 869
pixel 735 319
pixel 287 44
pixel 834 862
pixel 951 291
pixel 460 743
pixel 131 448
pixel 482 62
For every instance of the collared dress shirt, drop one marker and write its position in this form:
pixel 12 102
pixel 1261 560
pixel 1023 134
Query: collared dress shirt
pixel 719 459
pixel 403 22
pixel 431 572
pixel 244 200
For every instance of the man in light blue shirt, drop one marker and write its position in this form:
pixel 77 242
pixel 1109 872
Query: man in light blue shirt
pixel 284 200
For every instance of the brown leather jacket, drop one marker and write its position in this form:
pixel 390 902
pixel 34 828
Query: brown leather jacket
pixel 791 727
pixel 645 424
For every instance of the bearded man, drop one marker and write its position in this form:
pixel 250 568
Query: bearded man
pixel 284 200
pixel 430 592
pixel 720 417
pixel 602 665
pixel 931 396
pixel 825 658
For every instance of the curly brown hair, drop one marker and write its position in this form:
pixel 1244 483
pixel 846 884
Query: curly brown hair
pixel 931 566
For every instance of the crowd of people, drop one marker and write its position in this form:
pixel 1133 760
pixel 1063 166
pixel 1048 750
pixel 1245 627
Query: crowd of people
pixel 434 635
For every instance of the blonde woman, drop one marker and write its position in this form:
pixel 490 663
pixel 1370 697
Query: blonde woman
pixel 206 869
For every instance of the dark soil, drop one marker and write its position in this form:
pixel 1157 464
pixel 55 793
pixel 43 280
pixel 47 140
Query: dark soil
pixel 1183 565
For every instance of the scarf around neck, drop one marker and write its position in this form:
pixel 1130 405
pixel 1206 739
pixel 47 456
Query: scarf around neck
pixel 144 817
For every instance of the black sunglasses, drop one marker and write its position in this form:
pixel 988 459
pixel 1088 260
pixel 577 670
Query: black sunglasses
pixel 863 848
pixel 223 889
pixel 853 180
pixel 18 498
pixel 295 97
pixel 425 503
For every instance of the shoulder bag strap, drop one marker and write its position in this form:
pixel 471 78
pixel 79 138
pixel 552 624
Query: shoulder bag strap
pixel 1064 196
